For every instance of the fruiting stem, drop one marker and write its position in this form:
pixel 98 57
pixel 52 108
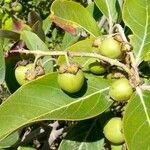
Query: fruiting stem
pixel 121 31
pixel 50 59
pixel 113 62
pixel 67 59
pixel 134 69
pixel 35 61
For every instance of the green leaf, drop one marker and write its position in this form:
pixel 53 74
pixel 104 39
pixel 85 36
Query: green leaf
pixel 69 15
pixel 38 30
pixel 46 25
pixel 68 40
pixel 2 63
pixel 94 11
pixel 11 61
pixel 9 34
pixel 10 140
pixel 85 135
pixel 108 8
pixel 7 23
pixel 136 121
pixel 147 56
pixel 25 148
pixel 138 21
pixel 33 42
pixel 42 99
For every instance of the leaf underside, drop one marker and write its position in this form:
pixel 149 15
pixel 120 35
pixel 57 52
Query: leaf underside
pixel 136 123
pixel 42 99
pixel 138 21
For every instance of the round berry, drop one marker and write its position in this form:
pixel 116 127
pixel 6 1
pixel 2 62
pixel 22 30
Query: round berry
pixel 113 130
pixel 116 147
pixel 110 48
pixel 7 1
pixel 97 68
pixel 20 73
pixel 69 81
pixel 17 7
pixel 121 90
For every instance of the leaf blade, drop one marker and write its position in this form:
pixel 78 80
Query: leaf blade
pixel 135 123
pixel 139 26
pixel 77 16
pixel 42 99
pixel 84 135
pixel 108 8
pixel 33 42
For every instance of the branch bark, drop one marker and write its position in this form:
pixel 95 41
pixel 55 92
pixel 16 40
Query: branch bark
pixel 113 62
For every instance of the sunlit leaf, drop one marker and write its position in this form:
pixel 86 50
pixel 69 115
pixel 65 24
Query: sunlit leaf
pixel 137 122
pixel 33 42
pixel 138 21
pixel 109 9
pixel 70 15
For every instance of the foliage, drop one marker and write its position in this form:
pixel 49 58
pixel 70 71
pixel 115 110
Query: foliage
pixel 52 33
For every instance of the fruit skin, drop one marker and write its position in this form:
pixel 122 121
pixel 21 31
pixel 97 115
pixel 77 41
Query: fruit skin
pixel 113 130
pixel 121 90
pixel 97 68
pixel 110 48
pixel 71 83
pixel 20 73
pixel 7 1
pixel 17 7
pixel 116 147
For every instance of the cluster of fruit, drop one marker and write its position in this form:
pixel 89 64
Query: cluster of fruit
pixel 71 79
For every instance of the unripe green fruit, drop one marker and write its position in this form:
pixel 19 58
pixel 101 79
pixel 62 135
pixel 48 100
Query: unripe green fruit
pixel 97 68
pixel 110 48
pixel 113 130
pixel 17 7
pixel 7 1
pixel 71 83
pixel 25 148
pixel 116 147
pixel 121 90
pixel 20 72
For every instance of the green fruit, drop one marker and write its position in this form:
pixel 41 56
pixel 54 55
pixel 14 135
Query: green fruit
pixel 71 83
pixel 110 48
pixel 17 7
pixel 116 147
pixel 97 68
pixel 7 1
pixel 113 130
pixel 20 73
pixel 25 148
pixel 121 90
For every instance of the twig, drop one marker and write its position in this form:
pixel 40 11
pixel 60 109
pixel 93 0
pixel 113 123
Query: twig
pixel 135 74
pixel 113 62
pixel 145 87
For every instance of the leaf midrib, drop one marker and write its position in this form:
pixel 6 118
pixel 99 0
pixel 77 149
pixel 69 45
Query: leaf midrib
pixel 40 116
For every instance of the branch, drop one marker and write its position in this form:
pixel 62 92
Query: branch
pixel 145 87
pixel 135 75
pixel 112 62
